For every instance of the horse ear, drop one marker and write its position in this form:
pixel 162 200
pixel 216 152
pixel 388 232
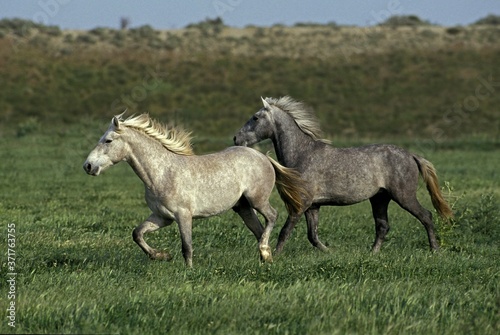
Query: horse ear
pixel 118 118
pixel 266 104
pixel 116 122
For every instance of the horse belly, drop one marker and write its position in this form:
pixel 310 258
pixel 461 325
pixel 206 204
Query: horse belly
pixel 346 189
pixel 210 204
pixel 199 205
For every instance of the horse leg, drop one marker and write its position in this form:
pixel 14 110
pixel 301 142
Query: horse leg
pixel 412 205
pixel 286 231
pixel 270 215
pixel 185 222
pixel 151 224
pixel 312 219
pixel 380 202
pixel 245 211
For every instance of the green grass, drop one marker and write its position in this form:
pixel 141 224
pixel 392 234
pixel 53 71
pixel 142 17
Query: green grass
pixel 80 272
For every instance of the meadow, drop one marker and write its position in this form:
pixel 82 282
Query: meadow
pixel 78 269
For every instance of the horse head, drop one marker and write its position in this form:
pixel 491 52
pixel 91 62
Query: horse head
pixel 109 150
pixel 259 127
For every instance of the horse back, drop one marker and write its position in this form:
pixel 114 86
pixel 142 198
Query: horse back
pixel 235 165
pixel 350 175
pixel 209 184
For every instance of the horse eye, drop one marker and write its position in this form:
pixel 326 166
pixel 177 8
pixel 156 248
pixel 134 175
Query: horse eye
pixel 255 118
pixel 108 141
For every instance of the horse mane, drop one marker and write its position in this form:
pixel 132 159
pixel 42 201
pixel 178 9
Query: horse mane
pixel 302 114
pixel 174 139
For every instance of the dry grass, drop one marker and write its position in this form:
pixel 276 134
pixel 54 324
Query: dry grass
pixel 278 41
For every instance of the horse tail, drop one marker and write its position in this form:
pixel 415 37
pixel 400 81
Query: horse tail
pixel 290 186
pixel 428 173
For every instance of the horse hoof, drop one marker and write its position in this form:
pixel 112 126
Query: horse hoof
pixel 265 254
pixel 323 248
pixel 161 256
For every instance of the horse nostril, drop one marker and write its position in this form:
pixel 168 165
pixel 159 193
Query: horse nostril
pixel 87 167
pixel 234 139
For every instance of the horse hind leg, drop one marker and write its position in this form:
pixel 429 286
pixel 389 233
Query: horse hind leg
pixel 245 211
pixel 412 205
pixel 380 203
pixel 153 223
pixel 270 215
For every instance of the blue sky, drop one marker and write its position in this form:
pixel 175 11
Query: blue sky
pixel 165 14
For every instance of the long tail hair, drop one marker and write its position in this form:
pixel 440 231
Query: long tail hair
pixel 428 173
pixel 290 186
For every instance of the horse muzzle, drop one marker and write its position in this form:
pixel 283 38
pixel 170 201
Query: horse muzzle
pixel 92 170
pixel 239 141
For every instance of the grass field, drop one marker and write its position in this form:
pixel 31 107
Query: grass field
pixel 78 270
pixel 433 90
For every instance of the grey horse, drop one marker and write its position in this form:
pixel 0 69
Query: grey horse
pixel 181 186
pixel 342 176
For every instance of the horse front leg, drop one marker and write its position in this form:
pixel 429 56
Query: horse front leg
pixel 151 224
pixel 286 231
pixel 312 219
pixel 185 221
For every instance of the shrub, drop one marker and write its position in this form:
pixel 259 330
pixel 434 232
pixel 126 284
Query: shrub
pixel 119 38
pixel 145 31
pixel 86 38
pixel 51 31
pixel 18 27
pixel 209 26
pixel 471 219
pixel 68 38
pixel 172 42
pixel 404 20
pixel 22 28
pixel 100 32
pixel 454 30
pixel 491 19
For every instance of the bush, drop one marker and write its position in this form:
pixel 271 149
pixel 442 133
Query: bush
pixel 145 31
pixel 454 30
pixel 51 31
pixel 493 20
pixel 22 28
pixel 18 27
pixel 86 38
pixel 404 20
pixel 471 219
pixel 100 32
pixel 119 38
pixel 209 26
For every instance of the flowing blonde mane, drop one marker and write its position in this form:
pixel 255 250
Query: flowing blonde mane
pixel 174 139
pixel 302 114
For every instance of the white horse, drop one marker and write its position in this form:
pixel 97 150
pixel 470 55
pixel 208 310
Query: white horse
pixel 181 186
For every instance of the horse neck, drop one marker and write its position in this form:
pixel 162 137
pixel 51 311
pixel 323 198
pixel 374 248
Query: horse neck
pixel 290 142
pixel 148 158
